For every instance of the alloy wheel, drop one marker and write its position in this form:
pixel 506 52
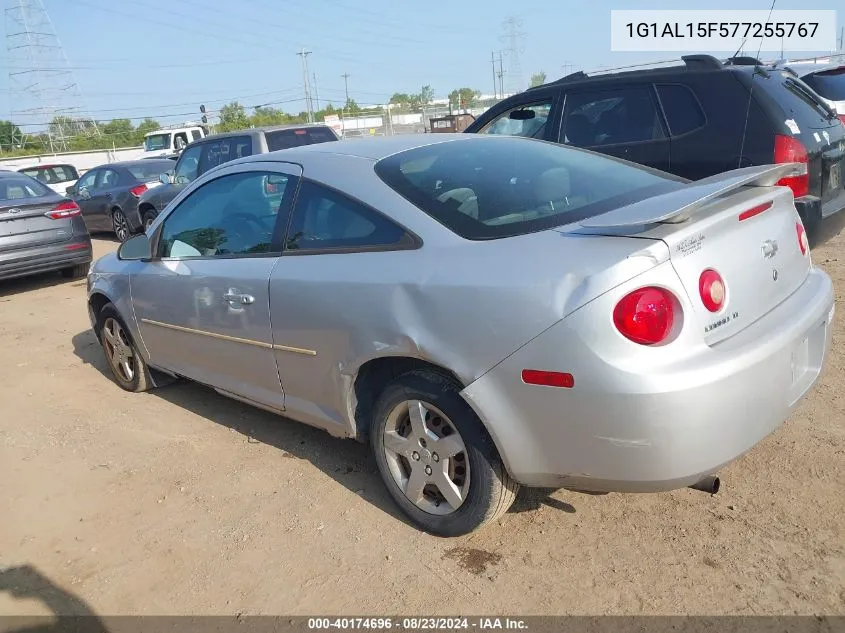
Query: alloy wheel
pixel 121 225
pixel 427 457
pixel 118 350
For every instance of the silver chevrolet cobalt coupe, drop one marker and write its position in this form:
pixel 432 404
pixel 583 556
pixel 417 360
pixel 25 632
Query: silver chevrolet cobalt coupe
pixel 487 312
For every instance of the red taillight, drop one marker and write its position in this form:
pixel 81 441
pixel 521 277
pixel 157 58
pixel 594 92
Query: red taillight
pixel 67 209
pixel 803 244
pixel 138 191
pixel 548 378
pixel 791 150
pixel 711 287
pixel 755 211
pixel 645 316
pixel 842 118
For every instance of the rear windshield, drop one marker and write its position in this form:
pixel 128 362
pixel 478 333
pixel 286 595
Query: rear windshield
pixel 52 175
pixel 151 170
pixel 155 142
pixel 499 186
pixel 284 139
pixel 21 188
pixel 829 84
pixel 797 102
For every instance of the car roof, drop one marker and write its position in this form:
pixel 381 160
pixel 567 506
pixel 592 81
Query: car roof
pixel 372 148
pixel 134 163
pixel 804 68
pixel 47 166
pixel 259 130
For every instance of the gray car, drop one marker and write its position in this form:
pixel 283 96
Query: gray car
pixel 489 311
pixel 40 231
pixel 214 150
pixel 108 195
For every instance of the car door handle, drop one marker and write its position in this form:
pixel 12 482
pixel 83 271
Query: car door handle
pixel 233 297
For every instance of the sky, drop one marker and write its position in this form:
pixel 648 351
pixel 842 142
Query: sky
pixel 163 58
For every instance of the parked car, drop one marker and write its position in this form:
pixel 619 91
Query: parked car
pixel 216 149
pixel 160 143
pixel 490 311
pixel 827 79
pixel 108 195
pixel 694 120
pixel 57 177
pixel 40 231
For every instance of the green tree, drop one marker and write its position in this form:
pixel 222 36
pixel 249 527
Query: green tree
pixel 352 107
pixel 538 79
pixel 233 117
pixel 10 135
pixel 119 132
pixel 464 97
pixel 426 95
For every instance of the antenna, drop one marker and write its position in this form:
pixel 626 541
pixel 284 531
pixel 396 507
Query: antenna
pixel 751 91
pixel 514 37
pixel 42 87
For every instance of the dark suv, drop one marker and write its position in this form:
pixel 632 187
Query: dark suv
pixel 200 156
pixel 693 120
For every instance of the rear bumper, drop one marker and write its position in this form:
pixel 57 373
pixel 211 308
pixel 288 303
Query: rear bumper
pixel 625 430
pixel 40 259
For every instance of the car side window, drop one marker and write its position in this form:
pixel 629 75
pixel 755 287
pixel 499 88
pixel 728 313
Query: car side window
pixel 683 112
pixel 188 165
pixel 195 135
pixel 87 181
pixel 231 215
pixel 610 117
pixel 525 120
pixel 108 179
pixel 327 219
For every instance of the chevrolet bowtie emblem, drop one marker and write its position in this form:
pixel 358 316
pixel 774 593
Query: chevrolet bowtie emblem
pixel 770 248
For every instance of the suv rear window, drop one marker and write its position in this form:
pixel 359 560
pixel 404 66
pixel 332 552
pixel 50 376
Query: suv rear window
pixel 830 84
pixel 284 139
pixel 486 187
pixel 797 102
pixel 52 174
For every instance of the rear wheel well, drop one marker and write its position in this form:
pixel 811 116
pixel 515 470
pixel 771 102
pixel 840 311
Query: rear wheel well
pixel 374 375
pixel 97 302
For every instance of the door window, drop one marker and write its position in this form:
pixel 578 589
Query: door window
pixel 683 112
pixel 195 135
pixel 611 117
pixel 223 150
pixel 188 164
pixel 231 215
pixel 326 219
pixel 87 181
pixel 108 179
pixel 525 120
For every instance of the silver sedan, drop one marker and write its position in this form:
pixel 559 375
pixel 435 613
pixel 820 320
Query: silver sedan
pixel 487 312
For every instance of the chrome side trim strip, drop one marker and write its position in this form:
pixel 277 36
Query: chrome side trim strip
pixel 233 339
pixel 295 350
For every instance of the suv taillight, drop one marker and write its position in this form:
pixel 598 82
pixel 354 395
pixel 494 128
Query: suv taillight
pixel 645 316
pixel 67 209
pixel 842 118
pixel 791 150
pixel 138 191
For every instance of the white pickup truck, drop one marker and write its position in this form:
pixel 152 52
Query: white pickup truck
pixel 171 141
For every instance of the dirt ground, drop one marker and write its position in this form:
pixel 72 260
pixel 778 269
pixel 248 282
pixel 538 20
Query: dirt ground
pixel 180 501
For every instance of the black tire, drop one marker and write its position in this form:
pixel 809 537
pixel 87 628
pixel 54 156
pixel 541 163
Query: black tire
pixel 120 225
pixel 147 218
pixel 491 490
pixel 76 272
pixel 140 379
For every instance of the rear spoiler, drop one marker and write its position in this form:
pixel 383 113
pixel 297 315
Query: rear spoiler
pixel 679 205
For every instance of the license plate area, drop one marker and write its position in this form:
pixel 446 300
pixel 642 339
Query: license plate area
pixel 806 361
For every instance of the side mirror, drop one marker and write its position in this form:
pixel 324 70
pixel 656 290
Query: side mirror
pixel 135 248
pixel 166 177
pixel 71 191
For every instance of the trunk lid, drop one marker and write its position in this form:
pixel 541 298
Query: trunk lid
pixel 25 224
pixel 758 257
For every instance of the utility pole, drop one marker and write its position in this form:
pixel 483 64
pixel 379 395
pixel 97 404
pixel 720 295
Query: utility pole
pixel 493 61
pixel 566 66
pixel 501 77
pixel 316 94
pixel 303 54
pixel 346 85
pixel 514 38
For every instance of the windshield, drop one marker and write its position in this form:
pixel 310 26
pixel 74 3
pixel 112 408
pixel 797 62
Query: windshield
pixel 829 84
pixel 155 142
pixel 150 170
pixel 491 187
pixel 21 188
